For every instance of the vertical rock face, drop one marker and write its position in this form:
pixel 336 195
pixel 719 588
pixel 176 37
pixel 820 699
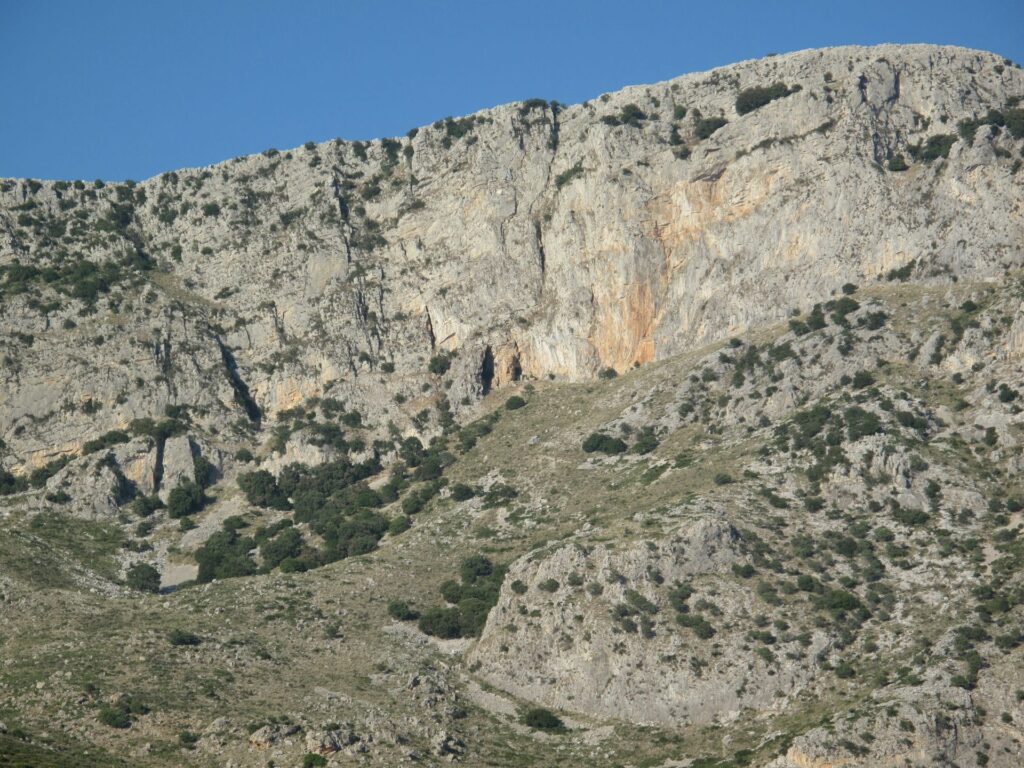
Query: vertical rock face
pixel 532 239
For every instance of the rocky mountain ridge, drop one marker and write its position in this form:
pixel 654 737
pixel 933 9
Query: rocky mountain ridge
pixel 690 413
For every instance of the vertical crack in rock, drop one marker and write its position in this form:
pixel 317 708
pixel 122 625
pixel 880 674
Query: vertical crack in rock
pixel 541 256
pixel 430 330
pixel 553 142
pixel 242 396
pixel 343 212
pixel 158 464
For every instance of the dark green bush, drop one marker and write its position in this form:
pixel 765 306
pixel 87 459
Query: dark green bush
pixel 750 99
pixel 936 147
pixel 898 164
pixel 548 585
pixel 463 492
pixel 181 637
pixel 439 364
pixel 107 440
pixel 1014 119
pixel 646 441
pixel 399 525
pixel 185 499
pixel 261 490
pixel 542 719
pixel 862 379
pixel 514 403
pixel 225 555
pixel 472 599
pixel 861 423
pixel 568 175
pixel 630 115
pixel 401 610
pixel 706 126
pixel 286 544
pixel 698 624
pixel 115 717
pixel 603 443
pixel 187 738
pixel 445 623
pixel 143 577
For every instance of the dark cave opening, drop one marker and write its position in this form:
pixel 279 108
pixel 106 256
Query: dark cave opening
pixel 487 371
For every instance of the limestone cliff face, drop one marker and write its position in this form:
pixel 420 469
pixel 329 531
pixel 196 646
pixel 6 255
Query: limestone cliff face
pixel 531 239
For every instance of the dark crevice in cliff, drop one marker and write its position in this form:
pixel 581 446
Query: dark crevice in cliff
pixel 343 213
pixel 515 368
pixel 430 331
pixel 158 464
pixel 241 389
pixel 486 372
pixel 541 256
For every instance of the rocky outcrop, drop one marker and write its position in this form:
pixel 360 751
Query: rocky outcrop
pixel 595 631
pixel 532 239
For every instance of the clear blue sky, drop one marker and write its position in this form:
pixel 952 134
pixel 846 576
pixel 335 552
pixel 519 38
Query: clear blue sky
pixel 126 89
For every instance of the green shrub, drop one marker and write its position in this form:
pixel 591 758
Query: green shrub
pixel 401 610
pixel 698 624
pixel 844 671
pixel 568 175
pixel 722 478
pixel 399 525
pixel 225 555
pixel 603 443
pixel 839 600
pixel 750 99
pixel 630 115
pixel 548 585
pixel 706 126
pixel 108 440
pixel 211 209
pixel 646 441
pixel 463 492
pixel 862 379
pixel 313 760
pixel 445 623
pixel 286 544
pixel 181 637
pixel 144 506
pixel 144 578
pixel 861 423
pixel 542 719
pixel 261 490
pixel 472 600
pixel 1014 119
pixel 744 571
pixel 185 499
pixel 514 403
pixel 936 147
pixel 115 717
pixel 119 714
pixel 187 738
pixel 439 364
pixel 897 164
